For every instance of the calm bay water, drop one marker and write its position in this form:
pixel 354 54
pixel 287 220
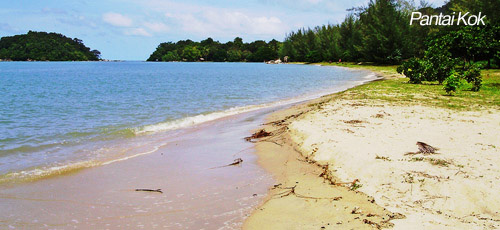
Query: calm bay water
pixel 80 114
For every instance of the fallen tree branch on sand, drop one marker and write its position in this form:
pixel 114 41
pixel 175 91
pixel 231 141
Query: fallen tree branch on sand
pixel 148 190
pixel 235 162
pixel 291 191
pixel 257 135
pixel 424 148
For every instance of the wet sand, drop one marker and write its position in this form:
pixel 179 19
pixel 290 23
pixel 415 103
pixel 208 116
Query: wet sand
pixel 316 202
pixel 195 194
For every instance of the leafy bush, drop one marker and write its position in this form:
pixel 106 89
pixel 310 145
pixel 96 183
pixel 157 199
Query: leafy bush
pixel 438 64
pixel 472 74
pixel 451 84
pixel 415 69
pixel 395 57
pixel 442 64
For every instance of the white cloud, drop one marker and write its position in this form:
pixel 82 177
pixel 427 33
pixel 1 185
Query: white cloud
pixel 116 19
pixel 222 22
pixel 138 32
pixel 156 27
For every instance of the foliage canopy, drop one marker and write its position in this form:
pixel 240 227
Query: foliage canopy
pixel 42 46
pixel 210 50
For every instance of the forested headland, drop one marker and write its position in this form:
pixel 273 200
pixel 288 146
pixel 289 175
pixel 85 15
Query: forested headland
pixel 42 46
pixel 210 50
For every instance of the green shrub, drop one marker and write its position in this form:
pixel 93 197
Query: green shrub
pixel 415 69
pixel 441 63
pixel 451 84
pixel 472 74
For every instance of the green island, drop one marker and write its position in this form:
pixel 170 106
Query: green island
pixel 42 46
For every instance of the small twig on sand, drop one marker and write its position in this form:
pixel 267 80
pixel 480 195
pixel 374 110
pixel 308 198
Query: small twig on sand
pixel 291 191
pixel 148 190
pixel 235 162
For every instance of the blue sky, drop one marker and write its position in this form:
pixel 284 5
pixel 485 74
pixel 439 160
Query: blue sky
pixel 131 29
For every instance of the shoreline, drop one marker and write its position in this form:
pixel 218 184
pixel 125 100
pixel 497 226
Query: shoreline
pixel 195 192
pixel 303 182
pixel 320 147
pixel 47 171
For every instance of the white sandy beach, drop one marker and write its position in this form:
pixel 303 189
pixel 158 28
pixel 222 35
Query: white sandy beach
pixel 460 192
pixel 375 142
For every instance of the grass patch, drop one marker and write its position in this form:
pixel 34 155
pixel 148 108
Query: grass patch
pixel 438 162
pixel 432 161
pixel 417 159
pixel 396 89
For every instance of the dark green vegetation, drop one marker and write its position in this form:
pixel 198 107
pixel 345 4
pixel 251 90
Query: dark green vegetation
pixel 455 57
pixel 380 33
pixel 42 46
pixel 210 50
pixel 399 91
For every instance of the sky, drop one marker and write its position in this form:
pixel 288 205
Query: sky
pixel 132 29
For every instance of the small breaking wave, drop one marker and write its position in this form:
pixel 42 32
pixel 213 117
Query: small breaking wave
pixel 34 174
pixel 197 119
pixel 201 118
pixel 45 172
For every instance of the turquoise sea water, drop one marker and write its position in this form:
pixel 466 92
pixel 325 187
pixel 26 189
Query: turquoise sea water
pixel 56 114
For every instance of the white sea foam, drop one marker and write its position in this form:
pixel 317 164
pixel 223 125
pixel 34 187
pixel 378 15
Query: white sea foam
pixel 134 156
pixel 202 118
pixel 198 119
pixel 43 172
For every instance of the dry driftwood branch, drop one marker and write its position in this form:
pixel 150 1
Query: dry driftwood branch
pixel 425 148
pixel 263 135
pixel 283 121
pixel 352 183
pixel 148 190
pixel 353 122
pixel 291 191
pixel 235 162
pixel 257 135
